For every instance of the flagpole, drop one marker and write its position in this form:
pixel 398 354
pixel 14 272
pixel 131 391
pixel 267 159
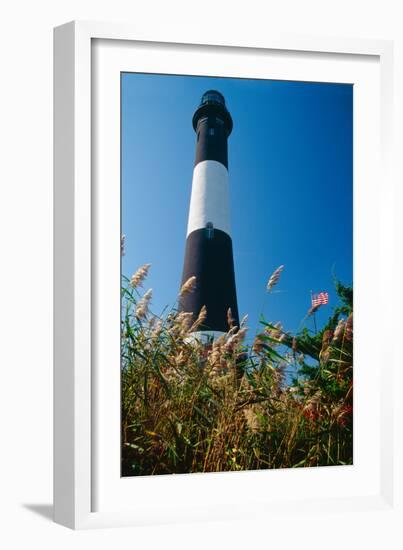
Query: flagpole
pixel 314 315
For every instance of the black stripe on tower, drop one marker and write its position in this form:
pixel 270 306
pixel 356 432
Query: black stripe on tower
pixel 210 259
pixel 212 124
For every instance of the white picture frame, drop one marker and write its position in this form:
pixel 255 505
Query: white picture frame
pixel 77 209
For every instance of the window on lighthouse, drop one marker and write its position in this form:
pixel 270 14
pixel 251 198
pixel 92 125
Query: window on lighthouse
pixel 209 230
pixel 211 131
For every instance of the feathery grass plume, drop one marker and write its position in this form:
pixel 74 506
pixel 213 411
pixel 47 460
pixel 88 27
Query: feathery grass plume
pixel 216 359
pixel 258 344
pixel 326 339
pixel 200 319
pixel 184 321
pixel 188 286
pixel 215 353
pixel 122 245
pixel 274 277
pixel 157 329
pixel 151 322
pixel 231 331
pixel 338 331
pixel 142 306
pixel 243 321
pixel 230 319
pixel 349 328
pixel 222 339
pixel 324 353
pixel 311 410
pixel 179 324
pixel 252 419
pixel 235 339
pixel 230 344
pixel 139 276
pixel 180 359
pixel 274 331
pixel 240 335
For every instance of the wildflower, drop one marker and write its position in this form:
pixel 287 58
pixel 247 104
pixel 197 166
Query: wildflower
pixel 142 306
pixel 139 276
pixel 188 286
pixel 273 279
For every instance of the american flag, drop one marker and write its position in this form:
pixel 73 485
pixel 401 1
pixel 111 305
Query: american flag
pixel 319 299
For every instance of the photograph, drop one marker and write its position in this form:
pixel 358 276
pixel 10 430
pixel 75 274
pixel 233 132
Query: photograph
pixel 236 274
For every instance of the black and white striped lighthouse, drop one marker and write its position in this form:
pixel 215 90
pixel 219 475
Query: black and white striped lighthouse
pixel 208 254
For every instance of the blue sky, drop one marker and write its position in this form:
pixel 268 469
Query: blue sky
pixel 290 169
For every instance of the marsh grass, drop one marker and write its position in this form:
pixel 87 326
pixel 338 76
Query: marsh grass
pixel 279 401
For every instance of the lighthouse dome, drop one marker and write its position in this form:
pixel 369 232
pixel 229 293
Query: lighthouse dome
pixel 213 104
pixel 212 96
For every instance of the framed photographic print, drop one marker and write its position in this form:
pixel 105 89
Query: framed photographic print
pixel 221 213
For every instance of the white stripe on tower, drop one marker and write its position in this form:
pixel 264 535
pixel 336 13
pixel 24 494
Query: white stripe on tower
pixel 209 202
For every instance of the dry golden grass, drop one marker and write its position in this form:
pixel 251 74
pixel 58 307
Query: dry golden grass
pixel 279 401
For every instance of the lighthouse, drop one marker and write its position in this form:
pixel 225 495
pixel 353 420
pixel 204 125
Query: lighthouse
pixel 208 252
